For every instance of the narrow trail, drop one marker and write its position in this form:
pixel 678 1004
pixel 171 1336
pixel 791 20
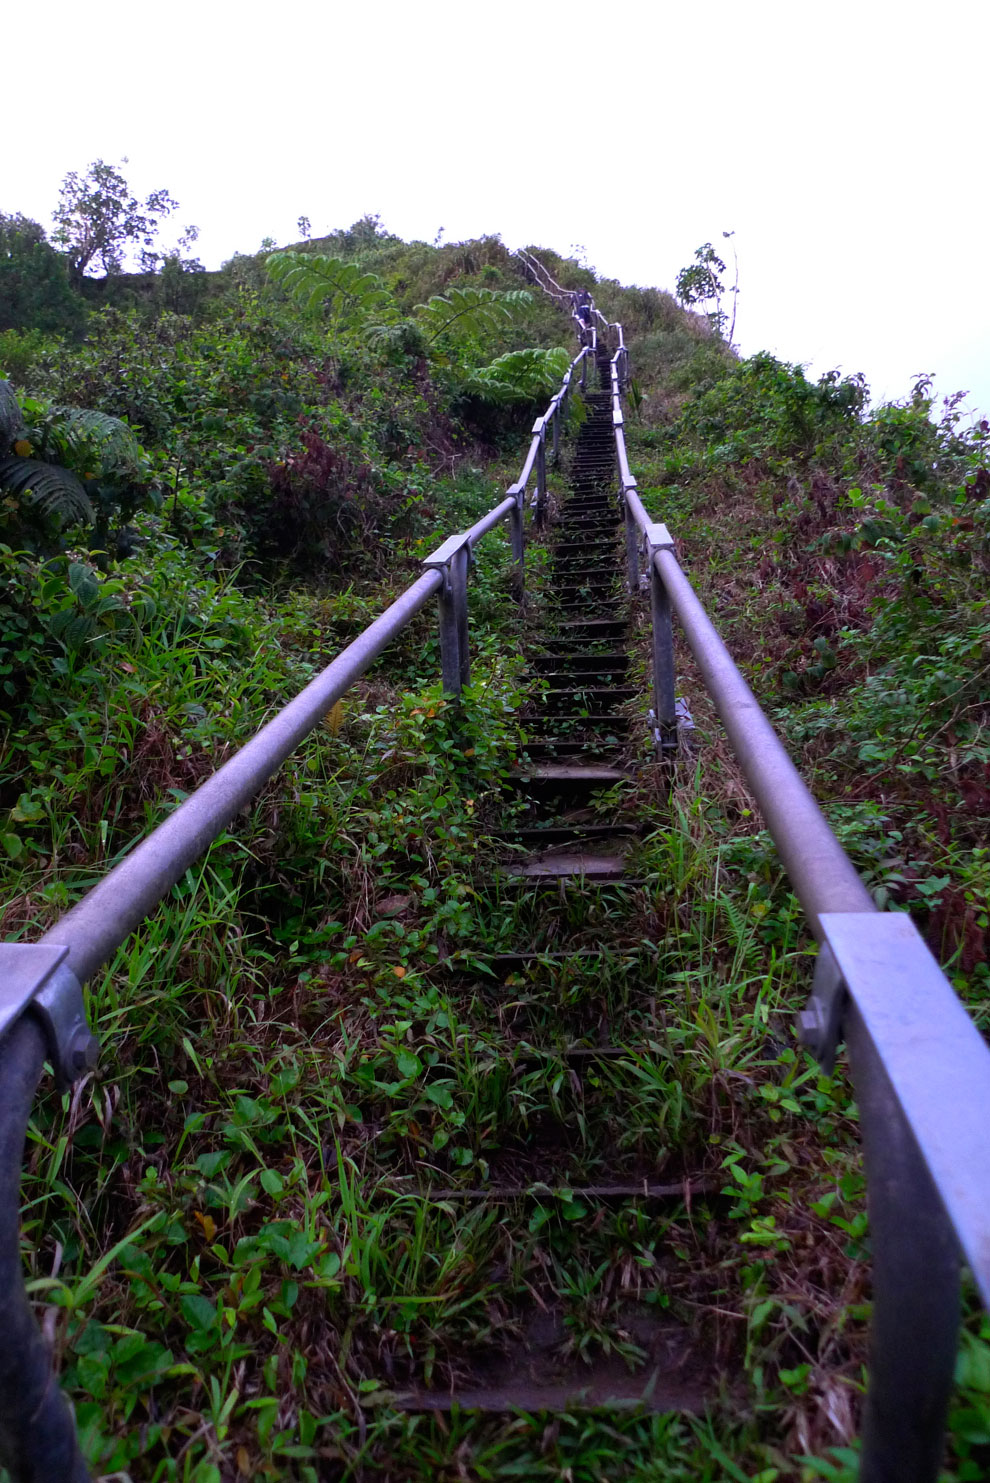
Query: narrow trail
pixel 528 1136
pixel 577 1000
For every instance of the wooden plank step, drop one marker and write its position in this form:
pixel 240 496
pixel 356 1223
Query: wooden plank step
pixel 570 684
pixel 554 772
pixel 643 1189
pixel 596 624
pixel 603 662
pixel 530 1370
pixel 606 746
pixel 570 730
pixel 553 867
pixel 563 833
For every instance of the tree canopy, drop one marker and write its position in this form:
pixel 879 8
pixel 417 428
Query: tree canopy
pixel 35 292
pixel 99 219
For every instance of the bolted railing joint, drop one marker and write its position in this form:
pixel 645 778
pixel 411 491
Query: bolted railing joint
pixel 656 538
pixel 34 979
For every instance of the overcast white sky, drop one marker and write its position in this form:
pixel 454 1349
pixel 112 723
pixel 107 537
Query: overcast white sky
pixel 845 144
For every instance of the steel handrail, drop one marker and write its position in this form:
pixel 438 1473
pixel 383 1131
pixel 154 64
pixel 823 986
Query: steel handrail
pixel 920 1068
pixel 41 1002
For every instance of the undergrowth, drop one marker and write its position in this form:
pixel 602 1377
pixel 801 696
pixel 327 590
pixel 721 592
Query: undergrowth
pixel 260 1224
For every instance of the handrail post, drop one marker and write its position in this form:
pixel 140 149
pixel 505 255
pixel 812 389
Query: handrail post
pixel 658 538
pixel 452 560
pixel 541 473
pixel 584 373
pixel 914 1326
pixel 556 433
pixel 517 538
pixel 632 541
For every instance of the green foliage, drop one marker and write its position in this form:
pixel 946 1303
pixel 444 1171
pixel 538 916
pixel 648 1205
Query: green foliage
pixel 46 496
pixel 308 1020
pixel 55 493
pixel 98 220
pixel 19 351
pixel 700 283
pixel 519 376
pixel 83 437
pixel 474 311
pixel 35 293
pixel 765 408
pixel 337 290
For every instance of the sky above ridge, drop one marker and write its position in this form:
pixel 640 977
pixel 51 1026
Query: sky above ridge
pixel 844 145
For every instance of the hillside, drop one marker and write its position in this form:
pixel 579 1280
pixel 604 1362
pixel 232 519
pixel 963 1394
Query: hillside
pixel 227 1224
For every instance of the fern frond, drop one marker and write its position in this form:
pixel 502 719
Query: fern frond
pixel 313 279
pixel 521 375
pixel 56 492
pixel 473 310
pixel 82 436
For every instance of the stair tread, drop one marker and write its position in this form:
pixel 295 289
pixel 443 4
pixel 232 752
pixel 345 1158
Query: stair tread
pixel 577 863
pixel 563 772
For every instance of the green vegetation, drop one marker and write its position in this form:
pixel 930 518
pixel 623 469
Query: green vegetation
pixel 227 1226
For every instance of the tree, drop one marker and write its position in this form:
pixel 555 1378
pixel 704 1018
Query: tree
pixel 35 293
pixel 98 219
pixel 699 283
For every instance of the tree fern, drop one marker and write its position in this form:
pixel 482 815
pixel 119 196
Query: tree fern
pixel 472 310
pixel 521 375
pixel 80 436
pixel 54 491
pixel 315 280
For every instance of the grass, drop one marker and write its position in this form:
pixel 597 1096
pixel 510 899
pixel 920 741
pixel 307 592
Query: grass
pixel 258 1224
pixel 246 1252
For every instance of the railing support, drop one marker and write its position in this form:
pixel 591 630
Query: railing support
pixel 924 1108
pixel 632 547
pixel 452 560
pixel 37 1431
pixel 914 1327
pixel 540 428
pixel 658 538
pixel 517 539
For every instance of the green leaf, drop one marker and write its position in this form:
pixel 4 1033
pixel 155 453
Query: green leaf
pixel 56 492
pixel 83 582
pixel 198 1311
pixel 272 1182
pixel 408 1063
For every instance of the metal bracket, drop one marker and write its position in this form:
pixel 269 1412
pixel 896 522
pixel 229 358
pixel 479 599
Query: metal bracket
pixel 820 1022
pixel 34 978
pixel 664 740
pixel 440 559
pixel 445 554
pixel 656 537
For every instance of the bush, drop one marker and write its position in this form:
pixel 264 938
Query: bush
pixel 35 293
